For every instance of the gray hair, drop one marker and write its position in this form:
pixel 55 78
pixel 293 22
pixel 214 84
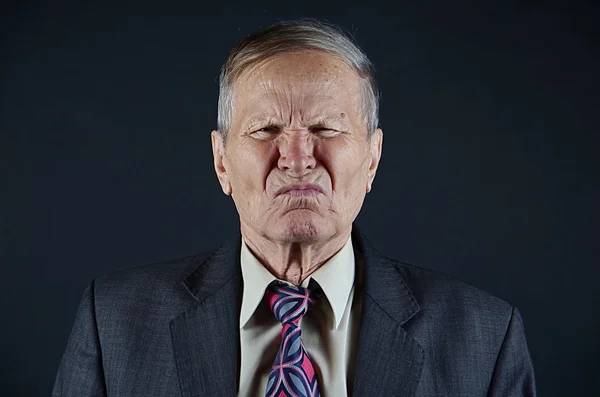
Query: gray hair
pixel 295 36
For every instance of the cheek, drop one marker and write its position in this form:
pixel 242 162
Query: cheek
pixel 250 168
pixel 346 169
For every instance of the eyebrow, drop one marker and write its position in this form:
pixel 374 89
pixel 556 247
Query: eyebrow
pixel 327 120
pixel 261 119
pixel 319 121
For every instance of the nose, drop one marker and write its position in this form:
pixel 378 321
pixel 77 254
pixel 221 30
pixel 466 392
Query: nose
pixel 296 154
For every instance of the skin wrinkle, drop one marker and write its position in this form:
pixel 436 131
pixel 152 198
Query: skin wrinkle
pixel 368 109
pixel 275 141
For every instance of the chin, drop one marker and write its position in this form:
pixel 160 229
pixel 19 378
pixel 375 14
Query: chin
pixel 303 227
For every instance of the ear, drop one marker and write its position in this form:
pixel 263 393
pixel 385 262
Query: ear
pixel 218 148
pixel 375 155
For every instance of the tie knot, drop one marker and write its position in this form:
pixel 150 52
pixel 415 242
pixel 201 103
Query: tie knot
pixel 288 302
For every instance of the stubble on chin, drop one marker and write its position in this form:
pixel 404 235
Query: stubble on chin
pixel 300 230
pixel 300 225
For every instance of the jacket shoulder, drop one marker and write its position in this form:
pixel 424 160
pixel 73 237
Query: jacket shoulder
pixel 442 296
pixel 153 274
pixel 152 286
pixel 463 331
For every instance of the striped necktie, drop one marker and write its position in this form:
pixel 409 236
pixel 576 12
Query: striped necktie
pixel 292 373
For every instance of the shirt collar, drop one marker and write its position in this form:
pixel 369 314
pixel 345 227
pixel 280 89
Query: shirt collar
pixel 335 277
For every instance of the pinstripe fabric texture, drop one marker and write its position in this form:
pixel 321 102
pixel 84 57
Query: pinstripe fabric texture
pixel 172 330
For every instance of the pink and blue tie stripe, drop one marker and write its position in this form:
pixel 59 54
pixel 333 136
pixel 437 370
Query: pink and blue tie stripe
pixel 292 373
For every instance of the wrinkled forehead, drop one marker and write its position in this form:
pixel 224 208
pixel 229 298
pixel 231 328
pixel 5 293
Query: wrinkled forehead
pixel 309 82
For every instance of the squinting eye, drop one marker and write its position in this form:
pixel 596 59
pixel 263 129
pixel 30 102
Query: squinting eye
pixel 264 133
pixel 326 132
pixel 269 129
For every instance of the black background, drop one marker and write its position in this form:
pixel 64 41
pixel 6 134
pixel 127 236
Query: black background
pixel 489 170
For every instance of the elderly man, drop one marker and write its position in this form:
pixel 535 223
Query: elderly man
pixel 300 304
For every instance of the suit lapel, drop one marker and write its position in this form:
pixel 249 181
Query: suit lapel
pixel 389 361
pixel 206 336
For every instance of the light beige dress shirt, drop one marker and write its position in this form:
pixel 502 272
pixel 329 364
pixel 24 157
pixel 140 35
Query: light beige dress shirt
pixel 329 329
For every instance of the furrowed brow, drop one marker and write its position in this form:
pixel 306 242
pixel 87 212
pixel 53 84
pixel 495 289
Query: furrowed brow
pixel 328 121
pixel 259 120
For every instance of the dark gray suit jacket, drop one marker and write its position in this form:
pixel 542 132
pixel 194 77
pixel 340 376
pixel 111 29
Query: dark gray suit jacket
pixel 172 329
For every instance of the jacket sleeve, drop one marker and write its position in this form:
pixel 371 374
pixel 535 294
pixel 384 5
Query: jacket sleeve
pixel 513 374
pixel 80 373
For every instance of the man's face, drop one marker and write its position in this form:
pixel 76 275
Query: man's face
pixel 297 125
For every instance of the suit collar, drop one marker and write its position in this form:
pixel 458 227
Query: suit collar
pixel 383 283
pixel 214 271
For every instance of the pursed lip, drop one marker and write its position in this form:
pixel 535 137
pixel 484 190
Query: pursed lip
pixel 307 186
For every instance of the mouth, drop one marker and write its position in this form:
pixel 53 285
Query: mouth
pixel 306 190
